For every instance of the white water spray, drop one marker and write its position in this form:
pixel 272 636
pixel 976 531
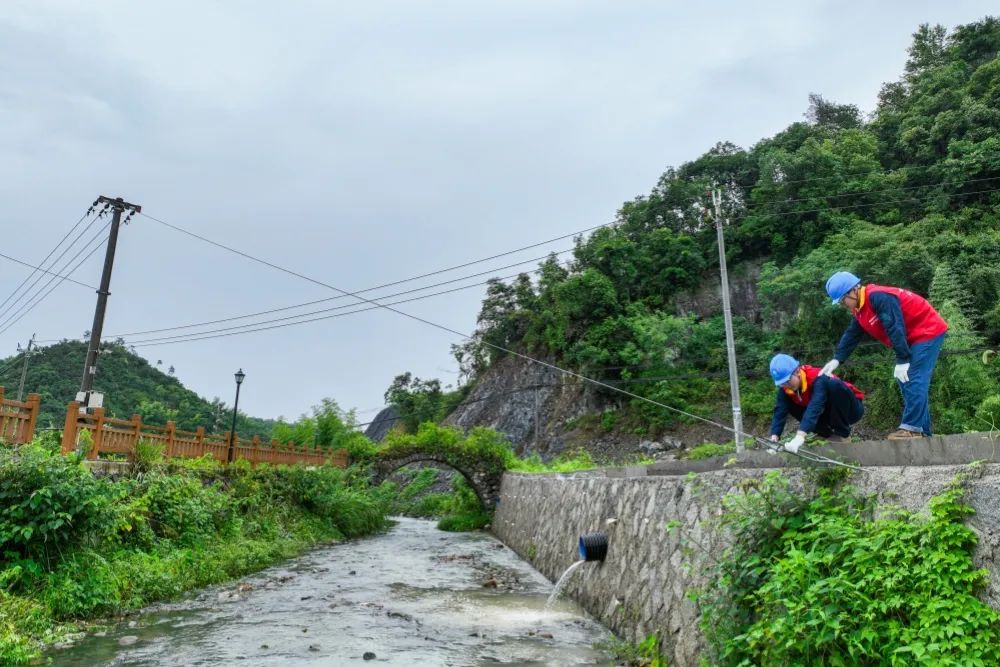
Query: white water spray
pixel 561 584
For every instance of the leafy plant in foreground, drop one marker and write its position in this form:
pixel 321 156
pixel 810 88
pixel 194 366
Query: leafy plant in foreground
pixel 821 581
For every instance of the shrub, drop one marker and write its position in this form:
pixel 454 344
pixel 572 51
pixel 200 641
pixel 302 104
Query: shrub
pixel 48 502
pixel 818 581
pixel 988 412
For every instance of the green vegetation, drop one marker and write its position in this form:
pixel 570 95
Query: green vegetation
pixel 130 385
pixel 571 461
pixel 76 547
pixel 907 196
pixel 709 450
pixel 481 449
pixel 644 654
pixel 821 580
pixel 420 401
pixel 328 427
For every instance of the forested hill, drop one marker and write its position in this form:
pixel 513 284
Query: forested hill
pixel 907 195
pixel 130 386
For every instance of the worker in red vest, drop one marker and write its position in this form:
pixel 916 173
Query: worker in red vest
pixel 823 404
pixel 903 321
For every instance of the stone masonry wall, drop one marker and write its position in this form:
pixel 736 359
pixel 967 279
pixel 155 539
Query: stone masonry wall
pixel 641 586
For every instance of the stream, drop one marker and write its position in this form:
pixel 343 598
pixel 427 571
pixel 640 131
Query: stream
pixel 411 596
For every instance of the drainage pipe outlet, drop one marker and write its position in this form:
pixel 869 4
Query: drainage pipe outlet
pixel 594 547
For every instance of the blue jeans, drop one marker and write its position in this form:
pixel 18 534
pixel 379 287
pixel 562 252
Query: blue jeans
pixel 916 399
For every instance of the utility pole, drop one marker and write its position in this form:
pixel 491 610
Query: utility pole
pixel 537 441
pixel 118 206
pixel 734 382
pixel 24 368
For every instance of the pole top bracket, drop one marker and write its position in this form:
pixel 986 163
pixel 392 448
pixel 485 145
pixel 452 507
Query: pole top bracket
pixel 119 203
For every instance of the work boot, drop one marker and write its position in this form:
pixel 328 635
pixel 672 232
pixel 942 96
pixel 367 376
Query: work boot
pixel 903 434
pixel 836 438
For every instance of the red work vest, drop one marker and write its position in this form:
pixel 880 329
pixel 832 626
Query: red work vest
pixel 811 372
pixel 920 320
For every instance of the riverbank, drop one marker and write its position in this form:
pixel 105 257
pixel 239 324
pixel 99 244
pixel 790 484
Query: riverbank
pixel 76 547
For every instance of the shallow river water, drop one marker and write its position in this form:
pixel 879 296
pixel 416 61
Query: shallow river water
pixel 412 596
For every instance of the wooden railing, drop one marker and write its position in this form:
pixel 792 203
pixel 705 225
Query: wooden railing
pixel 120 436
pixel 17 419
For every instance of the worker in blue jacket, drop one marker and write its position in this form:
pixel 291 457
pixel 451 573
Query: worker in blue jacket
pixel 900 320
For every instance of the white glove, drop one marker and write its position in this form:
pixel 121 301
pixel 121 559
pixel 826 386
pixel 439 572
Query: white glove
pixel 796 442
pixel 902 372
pixel 830 367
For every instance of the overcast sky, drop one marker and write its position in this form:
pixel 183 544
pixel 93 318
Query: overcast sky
pixel 364 142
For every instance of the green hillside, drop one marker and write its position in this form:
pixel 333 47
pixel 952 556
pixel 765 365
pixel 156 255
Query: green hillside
pixel 130 385
pixel 908 195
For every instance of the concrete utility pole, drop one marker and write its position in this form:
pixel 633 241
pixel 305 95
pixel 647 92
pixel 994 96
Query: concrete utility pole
pixel 24 368
pixel 90 366
pixel 734 382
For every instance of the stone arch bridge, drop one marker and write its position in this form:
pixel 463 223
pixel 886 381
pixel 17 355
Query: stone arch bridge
pixel 483 473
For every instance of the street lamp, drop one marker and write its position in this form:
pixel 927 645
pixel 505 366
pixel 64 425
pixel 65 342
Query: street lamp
pixel 232 434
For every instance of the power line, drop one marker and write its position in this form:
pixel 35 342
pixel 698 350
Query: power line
pixel 650 380
pixel 872 192
pixel 51 289
pixel 38 268
pixel 216 333
pixel 12 309
pixel 42 263
pixel 882 172
pixel 397 282
pixel 13 362
pixel 334 298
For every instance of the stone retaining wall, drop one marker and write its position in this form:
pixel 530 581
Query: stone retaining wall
pixel 641 586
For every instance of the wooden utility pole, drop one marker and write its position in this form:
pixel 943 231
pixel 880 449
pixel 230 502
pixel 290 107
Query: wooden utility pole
pixel 24 368
pixel 90 366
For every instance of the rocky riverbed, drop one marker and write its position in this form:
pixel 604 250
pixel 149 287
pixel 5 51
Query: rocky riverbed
pixel 412 596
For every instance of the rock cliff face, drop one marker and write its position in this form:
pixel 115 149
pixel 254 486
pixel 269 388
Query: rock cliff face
pixel 534 406
pixel 386 420
pixel 706 301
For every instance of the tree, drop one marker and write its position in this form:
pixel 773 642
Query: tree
pixel 417 400
pixel 829 114
pixel 926 51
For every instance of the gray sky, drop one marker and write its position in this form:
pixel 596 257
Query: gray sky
pixel 364 142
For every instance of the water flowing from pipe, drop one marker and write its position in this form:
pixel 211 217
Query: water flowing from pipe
pixel 561 584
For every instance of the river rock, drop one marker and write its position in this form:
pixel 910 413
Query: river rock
pixel 128 640
pixel 368 656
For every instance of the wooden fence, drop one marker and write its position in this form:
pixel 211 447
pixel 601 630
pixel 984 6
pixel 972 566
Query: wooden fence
pixel 120 436
pixel 17 419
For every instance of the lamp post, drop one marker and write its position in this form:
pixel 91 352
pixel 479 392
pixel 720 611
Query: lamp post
pixel 232 434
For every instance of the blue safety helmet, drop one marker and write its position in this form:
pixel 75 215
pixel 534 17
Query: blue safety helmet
pixel 782 367
pixel 840 284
